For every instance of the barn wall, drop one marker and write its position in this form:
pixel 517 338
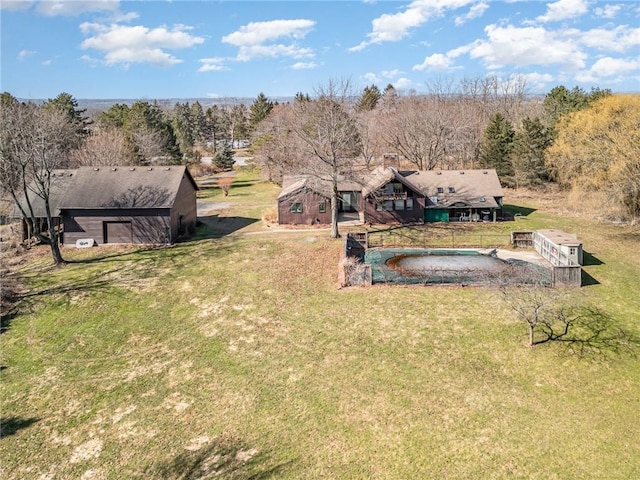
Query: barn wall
pixel 147 225
pixel 184 205
pixel 310 212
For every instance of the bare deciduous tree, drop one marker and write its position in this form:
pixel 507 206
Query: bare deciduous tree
pixel 105 147
pixel 34 142
pixel 328 138
pixel 416 128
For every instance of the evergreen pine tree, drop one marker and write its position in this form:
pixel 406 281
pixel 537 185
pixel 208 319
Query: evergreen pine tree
pixel 529 146
pixel 260 108
pixel 496 147
pixel 224 157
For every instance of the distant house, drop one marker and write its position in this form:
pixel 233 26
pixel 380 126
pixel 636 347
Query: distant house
pixel 306 200
pixel 125 204
pixel 387 195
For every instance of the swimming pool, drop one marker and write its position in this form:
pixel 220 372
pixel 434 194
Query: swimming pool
pixel 449 266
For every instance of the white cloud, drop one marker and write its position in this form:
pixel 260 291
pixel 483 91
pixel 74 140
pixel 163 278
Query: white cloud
pixel 256 33
pixel 53 8
pixel 396 26
pixel 24 54
pixel 618 39
pixel 304 66
pixel 524 46
pixel 537 82
pixel 564 9
pixel 213 64
pixel 608 11
pixel 247 53
pixel 371 77
pixel 137 44
pixel 402 83
pixel 255 39
pixel 436 62
pixel 475 11
pixel 14 5
pixel 391 73
pixel 46 63
pixel 610 68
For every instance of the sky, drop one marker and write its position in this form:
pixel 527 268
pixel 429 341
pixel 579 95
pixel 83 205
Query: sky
pixel 110 49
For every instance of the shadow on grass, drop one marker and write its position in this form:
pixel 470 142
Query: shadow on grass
pixel 588 259
pixel 588 332
pixel 10 425
pixel 226 459
pixel 516 211
pixel 6 319
pixel 216 226
pixel 587 280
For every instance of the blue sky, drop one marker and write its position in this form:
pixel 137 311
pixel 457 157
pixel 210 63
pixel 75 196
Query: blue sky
pixel 106 49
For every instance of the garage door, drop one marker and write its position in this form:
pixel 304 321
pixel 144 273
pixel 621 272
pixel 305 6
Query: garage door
pixel 117 232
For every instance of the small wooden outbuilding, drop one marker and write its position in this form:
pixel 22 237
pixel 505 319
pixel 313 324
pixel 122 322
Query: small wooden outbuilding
pixel 139 205
pixel 130 205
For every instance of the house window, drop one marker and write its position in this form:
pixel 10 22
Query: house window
pixel 399 205
pixel 296 207
pixel 440 190
pixel 398 188
pixel 409 203
pixel 452 190
pixel 322 207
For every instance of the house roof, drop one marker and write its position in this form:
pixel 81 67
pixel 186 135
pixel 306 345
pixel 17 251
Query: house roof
pixel 61 180
pixel 465 183
pixel 125 187
pixel 383 175
pixel 472 188
pixel 321 185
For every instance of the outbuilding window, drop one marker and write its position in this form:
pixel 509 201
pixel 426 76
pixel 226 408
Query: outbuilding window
pixel 296 207
pixel 322 207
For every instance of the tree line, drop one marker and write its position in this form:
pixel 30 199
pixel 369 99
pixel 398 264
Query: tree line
pixel 587 142
pixel 584 141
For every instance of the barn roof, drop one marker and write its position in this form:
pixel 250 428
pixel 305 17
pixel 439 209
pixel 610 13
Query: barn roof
pixel 61 180
pixel 126 187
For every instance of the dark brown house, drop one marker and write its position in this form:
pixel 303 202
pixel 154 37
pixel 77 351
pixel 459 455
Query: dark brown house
pixel 390 198
pixel 137 205
pixel 306 200
pixel 387 195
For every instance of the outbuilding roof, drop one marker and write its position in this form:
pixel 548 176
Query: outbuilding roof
pixel 61 181
pixel 560 238
pixel 126 187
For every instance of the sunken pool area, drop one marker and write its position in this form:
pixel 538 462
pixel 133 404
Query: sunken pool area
pixel 455 266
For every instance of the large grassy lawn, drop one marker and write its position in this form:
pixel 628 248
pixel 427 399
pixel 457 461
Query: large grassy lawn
pixel 236 356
